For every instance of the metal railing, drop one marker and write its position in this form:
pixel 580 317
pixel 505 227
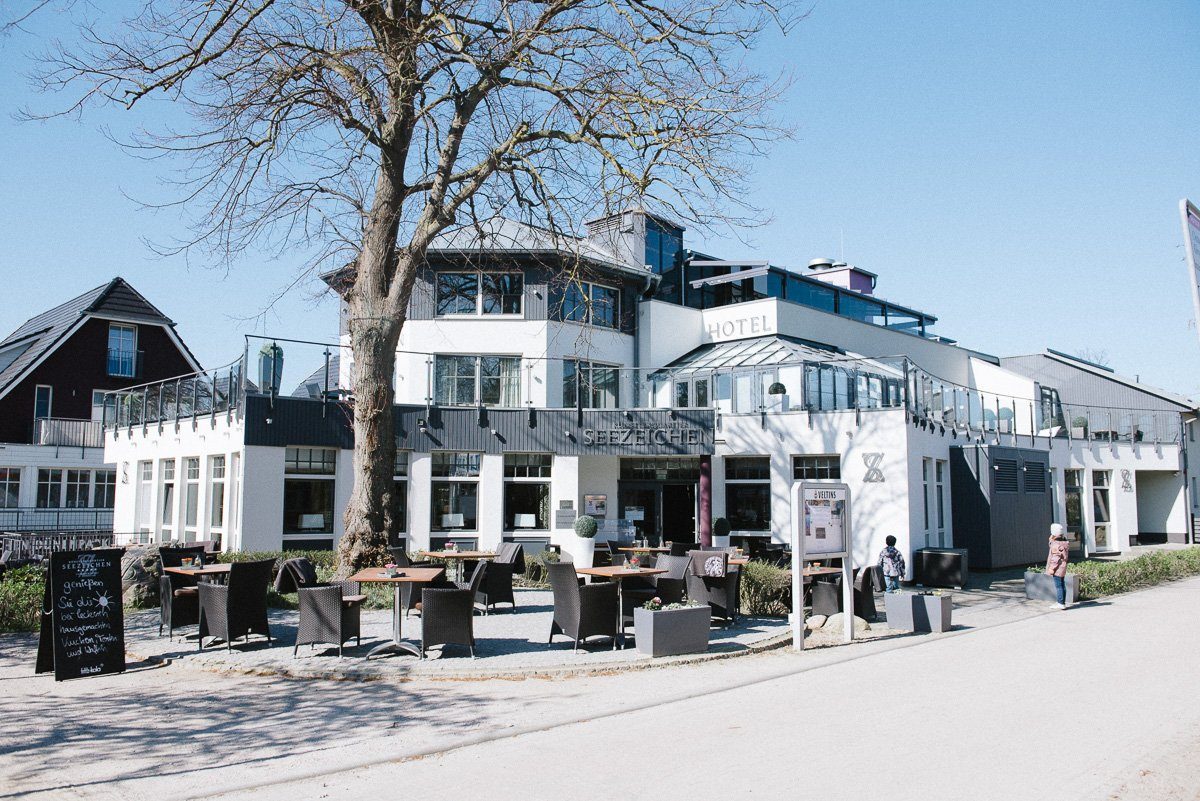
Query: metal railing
pixel 65 431
pixel 185 397
pixel 36 547
pixel 29 518
pixel 124 363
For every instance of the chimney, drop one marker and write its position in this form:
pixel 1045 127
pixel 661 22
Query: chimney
pixel 843 275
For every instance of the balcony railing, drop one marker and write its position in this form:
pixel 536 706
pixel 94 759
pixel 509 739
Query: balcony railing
pixel 67 432
pixel 25 518
pixel 183 398
pixel 124 363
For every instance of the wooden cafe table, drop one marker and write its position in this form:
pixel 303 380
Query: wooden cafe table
pixel 406 575
pixel 617 574
pixel 218 572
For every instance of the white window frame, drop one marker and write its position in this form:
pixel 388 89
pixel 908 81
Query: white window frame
pixel 217 487
pixel 166 518
pixel 297 475
pixel 477 392
pixel 133 352
pixel 546 480
pixel 435 526
pixel 190 498
pixel 8 483
pixel 49 402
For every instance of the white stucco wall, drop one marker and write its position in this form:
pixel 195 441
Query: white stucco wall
pixel 1160 503
pixel 204 437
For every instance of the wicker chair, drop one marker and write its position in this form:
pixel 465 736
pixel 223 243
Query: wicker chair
pixel 471 585
pixel 827 595
pixel 681 548
pixel 581 612
pixel 497 586
pixel 719 592
pixel 239 608
pixel 328 616
pixel 410 591
pixel 447 617
pixel 320 621
pixel 178 596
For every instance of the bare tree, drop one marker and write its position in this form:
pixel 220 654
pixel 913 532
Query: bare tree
pixel 364 128
pixel 1097 356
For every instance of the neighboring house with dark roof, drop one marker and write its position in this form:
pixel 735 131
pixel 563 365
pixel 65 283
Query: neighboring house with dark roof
pixel 315 385
pixel 54 371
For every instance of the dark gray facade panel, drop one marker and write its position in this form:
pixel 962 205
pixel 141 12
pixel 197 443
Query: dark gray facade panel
pixel 1079 387
pixel 604 432
pixel 999 528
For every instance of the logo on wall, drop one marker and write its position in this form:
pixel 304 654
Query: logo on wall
pixel 1126 481
pixel 874 472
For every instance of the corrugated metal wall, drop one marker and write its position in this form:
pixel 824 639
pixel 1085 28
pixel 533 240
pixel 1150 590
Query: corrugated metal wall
pixel 1081 387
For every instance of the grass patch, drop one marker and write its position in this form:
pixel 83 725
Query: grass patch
pixel 1099 578
pixel 21 592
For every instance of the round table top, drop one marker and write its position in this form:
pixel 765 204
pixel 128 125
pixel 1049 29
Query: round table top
pixel 404 574
pixel 619 572
pixel 646 549
pixel 459 554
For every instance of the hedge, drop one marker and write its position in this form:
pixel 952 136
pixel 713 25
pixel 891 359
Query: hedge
pixel 1100 578
pixel 766 590
pixel 21 592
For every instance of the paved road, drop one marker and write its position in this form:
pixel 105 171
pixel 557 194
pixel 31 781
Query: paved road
pixel 1099 702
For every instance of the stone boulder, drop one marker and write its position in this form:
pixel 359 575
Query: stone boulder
pixel 815 622
pixel 834 623
pixel 139 576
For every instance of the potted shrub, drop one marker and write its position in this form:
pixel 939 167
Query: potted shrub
pixel 1039 586
pixel 918 611
pixel 671 629
pixel 585 540
pixel 1079 428
pixel 720 533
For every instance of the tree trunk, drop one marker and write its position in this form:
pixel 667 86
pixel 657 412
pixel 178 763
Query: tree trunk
pixel 370 514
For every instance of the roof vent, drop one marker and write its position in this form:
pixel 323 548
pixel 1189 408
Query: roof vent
pixel 821 264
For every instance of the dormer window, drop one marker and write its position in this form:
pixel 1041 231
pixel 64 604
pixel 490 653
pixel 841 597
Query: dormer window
pixel 480 293
pixel 122 350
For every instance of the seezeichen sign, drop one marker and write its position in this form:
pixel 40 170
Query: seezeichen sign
pixel 1191 247
pixel 638 437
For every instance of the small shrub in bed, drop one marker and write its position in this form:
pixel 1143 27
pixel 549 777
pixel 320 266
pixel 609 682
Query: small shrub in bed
pixel 21 592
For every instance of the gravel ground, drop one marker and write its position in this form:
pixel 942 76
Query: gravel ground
pixel 506 643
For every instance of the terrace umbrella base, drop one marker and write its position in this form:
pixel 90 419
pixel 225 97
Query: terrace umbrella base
pixel 398 647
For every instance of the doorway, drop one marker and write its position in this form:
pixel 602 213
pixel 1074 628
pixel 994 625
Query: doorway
pixel 660 511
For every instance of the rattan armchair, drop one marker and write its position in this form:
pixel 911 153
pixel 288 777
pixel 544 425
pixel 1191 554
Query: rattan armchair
pixel 581 612
pixel 327 615
pixel 719 592
pixel 447 618
pixel 497 585
pixel 178 596
pixel 237 609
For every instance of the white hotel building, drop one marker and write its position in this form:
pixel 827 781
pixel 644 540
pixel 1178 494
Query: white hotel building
pixel 659 389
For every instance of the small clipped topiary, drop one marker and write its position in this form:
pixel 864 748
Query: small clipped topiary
pixel 586 527
pixel 720 527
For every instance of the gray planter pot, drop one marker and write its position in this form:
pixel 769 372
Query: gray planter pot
pixel 670 632
pixel 908 611
pixel 1040 587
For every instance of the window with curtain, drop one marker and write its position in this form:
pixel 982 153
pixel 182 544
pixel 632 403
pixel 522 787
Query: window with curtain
pixel 10 487
pixel 472 380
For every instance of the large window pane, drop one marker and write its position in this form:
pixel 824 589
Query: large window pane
pixel 748 506
pixel 307 506
pixel 526 498
pixel 815 468
pixel 457 293
pixel 502 293
pixel 78 482
pixel 49 490
pixel 454 506
pixel 10 487
pixel 454 380
pixel 605 301
pixel 318 461
pixel 500 380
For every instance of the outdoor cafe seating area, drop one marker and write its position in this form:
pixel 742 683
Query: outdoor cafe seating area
pixel 459 605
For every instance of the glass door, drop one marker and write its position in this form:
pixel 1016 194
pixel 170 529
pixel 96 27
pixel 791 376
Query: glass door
pixel 679 512
pixel 639 504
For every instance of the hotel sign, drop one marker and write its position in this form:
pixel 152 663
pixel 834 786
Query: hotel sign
pixel 676 434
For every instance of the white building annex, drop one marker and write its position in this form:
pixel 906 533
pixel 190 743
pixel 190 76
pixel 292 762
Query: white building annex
pixel 658 389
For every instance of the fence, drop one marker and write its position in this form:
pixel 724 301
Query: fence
pixel 27 547
pixel 67 432
pixel 31 519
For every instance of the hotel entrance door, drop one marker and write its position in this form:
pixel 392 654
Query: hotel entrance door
pixel 667 510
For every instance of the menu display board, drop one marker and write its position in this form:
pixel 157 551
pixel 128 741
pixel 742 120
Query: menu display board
pixel 83 624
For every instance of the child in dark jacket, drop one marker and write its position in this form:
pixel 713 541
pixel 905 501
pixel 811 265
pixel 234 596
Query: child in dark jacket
pixel 892 563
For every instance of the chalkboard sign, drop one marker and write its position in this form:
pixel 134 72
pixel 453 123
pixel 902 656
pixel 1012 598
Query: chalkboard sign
pixel 83 624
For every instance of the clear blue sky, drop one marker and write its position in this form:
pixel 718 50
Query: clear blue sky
pixel 1013 168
